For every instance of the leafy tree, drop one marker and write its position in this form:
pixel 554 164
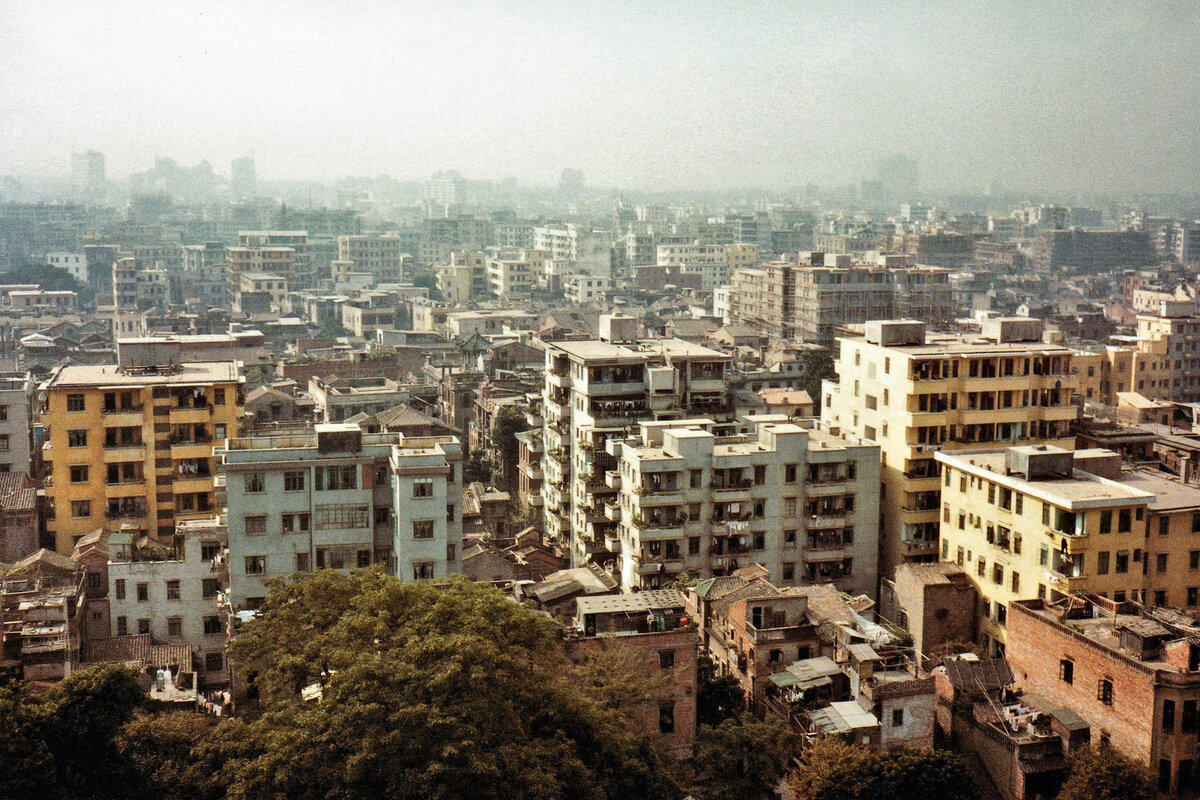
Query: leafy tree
pixel 439 691
pixel 508 423
pixel 477 468
pixel 742 759
pixel 331 329
pixel 61 744
pixel 48 278
pixel 28 764
pixel 718 697
pixel 176 755
pixel 818 366
pixel 427 279
pixel 832 770
pixel 1104 773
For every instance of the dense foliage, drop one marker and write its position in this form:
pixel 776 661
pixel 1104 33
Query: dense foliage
pixel 831 770
pixel 429 691
pixel 1102 773
pixel 62 744
pixel 742 759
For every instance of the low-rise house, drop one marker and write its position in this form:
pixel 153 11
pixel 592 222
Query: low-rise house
pixel 174 594
pixel 655 624
pixel 1131 672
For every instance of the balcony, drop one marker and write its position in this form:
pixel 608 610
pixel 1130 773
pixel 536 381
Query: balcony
pixel 190 484
pixel 122 417
pixel 612 479
pixel 827 520
pixel 121 488
pixel 192 448
pixel 114 454
pixel 612 511
pixel 188 415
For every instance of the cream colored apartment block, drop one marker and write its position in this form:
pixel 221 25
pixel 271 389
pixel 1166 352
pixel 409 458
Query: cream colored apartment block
pixel 1037 521
pixel 915 393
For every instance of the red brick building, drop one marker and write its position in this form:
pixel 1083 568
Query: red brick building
pixel 1133 673
pixel 654 624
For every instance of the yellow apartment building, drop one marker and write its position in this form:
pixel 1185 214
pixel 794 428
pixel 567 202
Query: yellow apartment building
pixel 914 393
pixel 1038 521
pixel 129 446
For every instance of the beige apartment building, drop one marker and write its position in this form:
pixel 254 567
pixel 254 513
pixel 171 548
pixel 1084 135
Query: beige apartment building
pixel 812 300
pixel 129 446
pixel 384 255
pixel 915 393
pixel 1037 521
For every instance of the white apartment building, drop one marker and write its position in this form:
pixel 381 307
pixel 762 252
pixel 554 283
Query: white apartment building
pixel 599 390
pixel 337 498
pixel 174 599
pixel 581 289
pixel 590 250
pixel 800 501
pixel 16 429
pixel 384 255
pixel 713 262
pixel 74 263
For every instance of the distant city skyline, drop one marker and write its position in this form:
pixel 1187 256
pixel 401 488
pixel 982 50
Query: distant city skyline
pixel 1056 96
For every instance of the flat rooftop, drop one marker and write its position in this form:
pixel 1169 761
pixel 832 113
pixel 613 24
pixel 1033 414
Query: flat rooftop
pixel 1082 490
pixel 111 375
pixel 595 349
pixel 630 603
pixel 1171 493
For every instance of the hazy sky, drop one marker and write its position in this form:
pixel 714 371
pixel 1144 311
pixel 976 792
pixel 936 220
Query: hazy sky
pixel 1085 95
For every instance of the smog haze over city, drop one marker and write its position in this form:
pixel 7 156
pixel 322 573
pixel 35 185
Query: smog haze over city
pixel 1082 97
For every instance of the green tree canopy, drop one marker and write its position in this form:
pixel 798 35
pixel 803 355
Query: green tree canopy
pixel 742 759
pixel 428 691
pixel 832 770
pixel 1104 773
pixel 62 744
pixel 718 697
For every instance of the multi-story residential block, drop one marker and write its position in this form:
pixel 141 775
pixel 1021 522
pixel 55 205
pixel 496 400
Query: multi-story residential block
pixel 1036 521
pixel 18 517
pixel 1172 337
pixel 589 251
pixel 584 289
pixel 297 241
pixel 337 498
pixel 812 300
pixel 915 393
pixel 464 278
pixel 16 422
pixel 174 594
pixel 1130 672
pixel 261 292
pixel 384 255
pixel 1092 251
pixel 279 261
pixel 795 500
pixel 129 445
pixel 598 390
pixel 204 273
pixel 512 273
pixel 713 262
